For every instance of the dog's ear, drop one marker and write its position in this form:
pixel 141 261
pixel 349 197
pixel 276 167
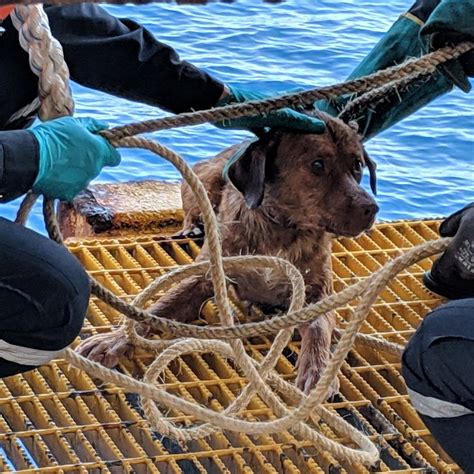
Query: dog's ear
pixel 247 173
pixel 248 169
pixel 372 171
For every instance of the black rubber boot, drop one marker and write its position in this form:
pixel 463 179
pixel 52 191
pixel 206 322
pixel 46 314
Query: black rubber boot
pixel 452 275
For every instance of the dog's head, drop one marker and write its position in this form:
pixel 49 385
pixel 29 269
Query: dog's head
pixel 308 180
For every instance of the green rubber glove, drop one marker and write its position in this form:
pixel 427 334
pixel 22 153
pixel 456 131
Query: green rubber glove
pixel 70 155
pixel 287 119
pixel 452 22
pixel 401 42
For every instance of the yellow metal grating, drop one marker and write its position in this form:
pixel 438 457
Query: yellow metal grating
pixel 57 419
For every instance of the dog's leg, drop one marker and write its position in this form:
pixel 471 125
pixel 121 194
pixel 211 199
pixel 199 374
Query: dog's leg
pixel 182 303
pixel 315 353
pixel 271 290
pixel 262 287
pixel 107 349
pixel 192 223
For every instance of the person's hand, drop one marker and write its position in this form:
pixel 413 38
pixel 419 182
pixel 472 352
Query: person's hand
pixel 287 119
pixel 451 22
pixel 452 275
pixel 70 155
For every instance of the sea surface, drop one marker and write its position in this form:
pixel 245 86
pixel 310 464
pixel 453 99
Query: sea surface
pixel 425 163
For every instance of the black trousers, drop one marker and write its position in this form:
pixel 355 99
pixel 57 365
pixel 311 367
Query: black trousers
pixel 438 367
pixel 44 293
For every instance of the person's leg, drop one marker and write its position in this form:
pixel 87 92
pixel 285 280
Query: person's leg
pixel 44 293
pixel 438 366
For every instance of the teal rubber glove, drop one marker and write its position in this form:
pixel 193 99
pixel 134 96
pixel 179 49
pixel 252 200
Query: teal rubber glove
pixel 71 155
pixel 287 119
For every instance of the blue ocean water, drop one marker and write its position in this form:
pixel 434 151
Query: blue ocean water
pixel 425 163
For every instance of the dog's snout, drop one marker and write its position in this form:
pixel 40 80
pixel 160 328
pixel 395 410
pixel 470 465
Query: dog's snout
pixel 363 211
pixel 370 209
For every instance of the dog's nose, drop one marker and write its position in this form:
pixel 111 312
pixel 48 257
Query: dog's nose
pixel 370 209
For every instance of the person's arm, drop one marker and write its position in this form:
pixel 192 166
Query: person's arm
pixel 123 58
pixel 445 21
pixel 19 157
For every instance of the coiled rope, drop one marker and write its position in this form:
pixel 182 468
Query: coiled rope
pixel 262 378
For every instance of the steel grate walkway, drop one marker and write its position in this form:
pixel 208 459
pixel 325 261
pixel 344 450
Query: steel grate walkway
pixel 57 419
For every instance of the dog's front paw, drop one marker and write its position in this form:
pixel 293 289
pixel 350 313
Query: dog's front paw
pixel 308 376
pixel 314 356
pixel 107 349
pixel 191 232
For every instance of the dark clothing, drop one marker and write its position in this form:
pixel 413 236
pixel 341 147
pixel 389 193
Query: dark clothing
pixel 18 163
pixel 437 366
pixel 44 293
pixel 111 55
pixel 123 58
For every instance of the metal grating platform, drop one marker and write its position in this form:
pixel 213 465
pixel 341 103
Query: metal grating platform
pixel 56 419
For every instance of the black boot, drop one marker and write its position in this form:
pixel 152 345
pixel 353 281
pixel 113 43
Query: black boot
pixel 452 275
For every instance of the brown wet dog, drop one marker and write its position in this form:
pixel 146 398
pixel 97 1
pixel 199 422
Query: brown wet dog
pixel 288 195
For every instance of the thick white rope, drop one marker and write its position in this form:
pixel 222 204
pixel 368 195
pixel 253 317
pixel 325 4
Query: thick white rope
pixel 46 61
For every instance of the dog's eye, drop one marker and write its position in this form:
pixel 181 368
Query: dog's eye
pixel 318 167
pixel 357 170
